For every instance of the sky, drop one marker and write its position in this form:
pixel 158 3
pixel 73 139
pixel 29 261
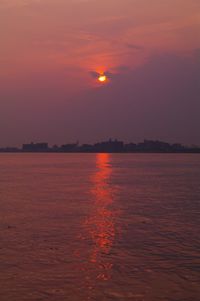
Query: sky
pixel 52 52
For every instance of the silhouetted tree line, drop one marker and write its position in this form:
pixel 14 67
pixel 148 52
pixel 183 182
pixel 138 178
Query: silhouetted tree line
pixel 110 146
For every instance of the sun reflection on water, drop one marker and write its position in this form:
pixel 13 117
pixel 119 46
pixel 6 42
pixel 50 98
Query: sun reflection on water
pixel 100 225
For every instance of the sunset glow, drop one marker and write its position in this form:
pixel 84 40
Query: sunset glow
pixel 102 78
pixel 99 150
pixel 142 56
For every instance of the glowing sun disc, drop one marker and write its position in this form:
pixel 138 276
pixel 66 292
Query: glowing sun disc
pixel 102 78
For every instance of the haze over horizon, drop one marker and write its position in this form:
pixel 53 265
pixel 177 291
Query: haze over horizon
pixel 52 52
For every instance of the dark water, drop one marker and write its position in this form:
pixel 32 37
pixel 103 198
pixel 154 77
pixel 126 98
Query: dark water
pixel 99 227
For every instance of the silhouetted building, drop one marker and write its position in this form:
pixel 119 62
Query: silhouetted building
pixel 153 146
pixel 86 148
pixel 9 150
pixel 130 147
pixel 35 147
pixel 110 146
pixel 69 147
pixel 177 147
pixel 55 148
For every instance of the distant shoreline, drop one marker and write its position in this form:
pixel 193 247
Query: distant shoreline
pixel 99 152
pixel 110 146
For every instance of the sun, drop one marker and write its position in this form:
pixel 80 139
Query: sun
pixel 102 78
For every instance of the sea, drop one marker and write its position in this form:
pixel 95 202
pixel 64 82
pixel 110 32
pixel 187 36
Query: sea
pixel 99 227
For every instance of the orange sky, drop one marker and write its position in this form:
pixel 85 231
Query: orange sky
pixel 87 35
pixel 62 41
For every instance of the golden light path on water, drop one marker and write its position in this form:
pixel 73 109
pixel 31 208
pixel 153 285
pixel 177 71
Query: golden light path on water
pixel 100 228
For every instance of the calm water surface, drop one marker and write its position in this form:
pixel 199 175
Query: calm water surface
pixel 99 227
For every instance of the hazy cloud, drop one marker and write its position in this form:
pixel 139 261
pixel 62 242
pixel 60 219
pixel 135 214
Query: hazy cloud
pixel 134 46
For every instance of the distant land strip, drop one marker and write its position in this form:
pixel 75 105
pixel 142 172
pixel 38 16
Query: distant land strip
pixel 110 146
